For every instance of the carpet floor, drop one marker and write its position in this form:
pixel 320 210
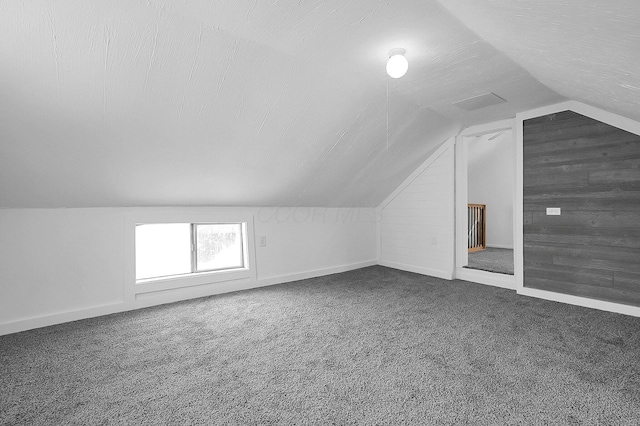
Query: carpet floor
pixel 375 346
pixel 493 260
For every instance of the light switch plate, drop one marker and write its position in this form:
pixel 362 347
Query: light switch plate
pixel 553 211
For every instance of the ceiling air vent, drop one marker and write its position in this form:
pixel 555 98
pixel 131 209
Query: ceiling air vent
pixel 481 101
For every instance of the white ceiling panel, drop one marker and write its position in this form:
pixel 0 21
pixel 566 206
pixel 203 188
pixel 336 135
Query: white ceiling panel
pixel 585 50
pixel 262 103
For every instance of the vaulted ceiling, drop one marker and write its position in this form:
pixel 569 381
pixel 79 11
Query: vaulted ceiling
pixel 279 102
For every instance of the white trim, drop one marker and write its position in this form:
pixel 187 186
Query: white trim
pixel 448 143
pixel 62 317
pixel 133 289
pixel 607 117
pixel 486 278
pixel 452 218
pixel 280 279
pixel 596 114
pixel 438 273
pixel 378 234
pixel 483 129
pixel 176 295
pixel 144 300
pixel 518 229
pixel 461 202
pixel 581 301
pixel 461 197
pixel 500 246
pixel 190 280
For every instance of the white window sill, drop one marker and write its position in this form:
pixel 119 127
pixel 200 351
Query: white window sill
pixel 150 285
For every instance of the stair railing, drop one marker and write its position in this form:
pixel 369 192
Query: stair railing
pixel 477 225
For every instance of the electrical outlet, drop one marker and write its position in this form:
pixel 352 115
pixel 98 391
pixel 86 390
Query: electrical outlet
pixel 434 240
pixel 263 241
pixel 553 211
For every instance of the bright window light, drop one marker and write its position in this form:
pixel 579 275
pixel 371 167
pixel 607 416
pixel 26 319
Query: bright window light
pixel 219 246
pixel 169 249
pixel 163 249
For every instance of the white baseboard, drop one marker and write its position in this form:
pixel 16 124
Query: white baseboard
pixel 482 277
pixel 487 278
pixel 581 301
pixel 148 299
pixel 316 273
pixel 62 317
pixel 162 297
pixel 509 282
pixel 438 273
pixel 500 246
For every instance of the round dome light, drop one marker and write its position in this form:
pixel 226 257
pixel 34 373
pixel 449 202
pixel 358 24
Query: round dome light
pixel 397 65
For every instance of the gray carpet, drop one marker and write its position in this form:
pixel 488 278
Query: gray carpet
pixel 493 260
pixel 372 346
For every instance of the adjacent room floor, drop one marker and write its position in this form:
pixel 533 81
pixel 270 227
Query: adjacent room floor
pixel 492 260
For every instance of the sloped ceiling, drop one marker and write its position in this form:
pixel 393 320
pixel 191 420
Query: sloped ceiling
pixel 585 50
pixel 261 103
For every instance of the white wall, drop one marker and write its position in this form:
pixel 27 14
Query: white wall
pixel 416 223
pixel 306 239
pixel 59 265
pixel 491 181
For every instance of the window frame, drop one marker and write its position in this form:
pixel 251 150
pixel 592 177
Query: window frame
pixel 171 289
pixel 194 246
pixel 193 251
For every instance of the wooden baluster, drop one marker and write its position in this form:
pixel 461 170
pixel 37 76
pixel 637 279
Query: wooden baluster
pixel 477 227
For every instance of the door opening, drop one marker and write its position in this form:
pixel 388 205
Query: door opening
pixel 485 197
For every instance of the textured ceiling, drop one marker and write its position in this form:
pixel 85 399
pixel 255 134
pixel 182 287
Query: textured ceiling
pixel 585 50
pixel 269 103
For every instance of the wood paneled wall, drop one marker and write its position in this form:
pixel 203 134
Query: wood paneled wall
pixel 592 172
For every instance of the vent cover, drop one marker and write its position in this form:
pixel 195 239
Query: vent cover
pixel 481 101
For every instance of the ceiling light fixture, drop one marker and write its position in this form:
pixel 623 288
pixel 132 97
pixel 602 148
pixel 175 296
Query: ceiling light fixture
pixel 397 65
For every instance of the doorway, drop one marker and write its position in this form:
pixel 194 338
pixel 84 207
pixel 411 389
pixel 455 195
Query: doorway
pixel 485 176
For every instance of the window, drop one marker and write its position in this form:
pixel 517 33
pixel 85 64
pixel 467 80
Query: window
pixel 170 249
